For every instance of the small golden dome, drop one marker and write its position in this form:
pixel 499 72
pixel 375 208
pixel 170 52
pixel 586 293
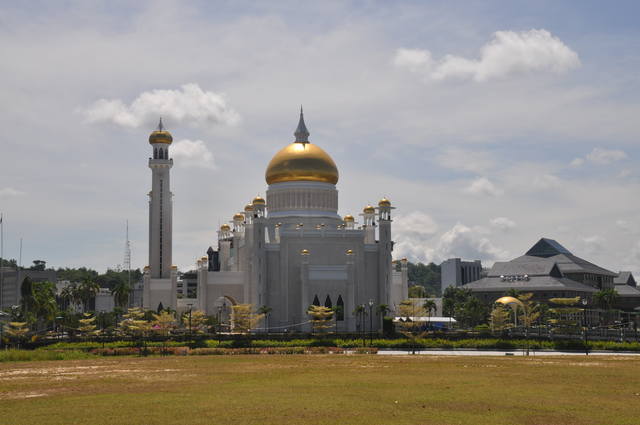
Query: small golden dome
pixel 349 252
pixel 174 267
pixel 160 135
pixel 225 228
pixel 259 200
pixel 349 218
pixel 248 208
pixel 205 258
pixel 304 252
pixel 384 202
pixel 238 217
pixel 369 209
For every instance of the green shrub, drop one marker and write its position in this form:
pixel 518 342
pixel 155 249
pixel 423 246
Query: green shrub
pixel 38 355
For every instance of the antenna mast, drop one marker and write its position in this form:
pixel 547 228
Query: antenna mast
pixel 127 255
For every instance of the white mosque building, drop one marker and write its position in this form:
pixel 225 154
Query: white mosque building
pixel 286 252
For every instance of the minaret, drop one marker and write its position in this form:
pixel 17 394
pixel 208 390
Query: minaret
pixel 160 204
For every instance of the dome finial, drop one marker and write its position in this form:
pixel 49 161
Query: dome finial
pixel 160 126
pixel 302 134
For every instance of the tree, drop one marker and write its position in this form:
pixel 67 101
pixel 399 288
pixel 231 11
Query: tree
pixel 26 296
pixel 70 295
pixel 198 321
pixel 430 307
pixel 472 312
pixel 45 307
pixel 265 311
pixel 564 314
pixel 360 312
pixel 606 298
pixel 499 318
pixel 87 326
pixel 39 265
pixel 408 324
pixel 163 323
pixel 244 318
pixel 320 317
pixel 426 275
pixel 417 291
pixel 531 312
pixel 16 332
pixel 120 292
pixel 134 323
pixel 87 291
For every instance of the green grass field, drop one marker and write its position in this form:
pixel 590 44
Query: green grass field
pixel 322 389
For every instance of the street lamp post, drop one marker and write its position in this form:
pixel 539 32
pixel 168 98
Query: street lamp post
pixel 362 322
pixel 586 328
pixel 190 308
pixel 370 322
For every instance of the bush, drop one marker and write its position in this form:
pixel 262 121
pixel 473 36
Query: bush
pixel 38 355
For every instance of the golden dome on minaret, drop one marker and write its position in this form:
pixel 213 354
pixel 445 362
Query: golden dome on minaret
pixel 302 161
pixel 384 202
pixel 160 135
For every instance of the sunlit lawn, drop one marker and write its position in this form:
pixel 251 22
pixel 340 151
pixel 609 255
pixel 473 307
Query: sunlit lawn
pixel 322 389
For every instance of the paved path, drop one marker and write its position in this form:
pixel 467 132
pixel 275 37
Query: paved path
pixel 502 353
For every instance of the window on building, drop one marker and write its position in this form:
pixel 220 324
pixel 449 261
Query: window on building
pixel 340 309
pixel 327 302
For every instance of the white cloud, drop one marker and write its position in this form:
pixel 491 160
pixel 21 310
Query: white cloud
pixel 465 242
pixel 465 160
pixel 502 223
pixel 545 181
pixel 606 156
pixel 507 53
pixel 415 223
pixel 482 186
pixel 592 244
pixel 601 156
pixel 190 153
pixel 577 162
pixel 188 105
pixel 9 192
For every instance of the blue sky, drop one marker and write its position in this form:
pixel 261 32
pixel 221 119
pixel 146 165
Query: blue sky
pixel 488 124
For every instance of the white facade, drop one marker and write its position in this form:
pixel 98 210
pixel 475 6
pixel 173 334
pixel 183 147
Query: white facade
pixel 293 250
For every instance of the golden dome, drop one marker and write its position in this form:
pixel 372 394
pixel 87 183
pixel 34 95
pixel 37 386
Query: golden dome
pixel 384 202
pixel 369 209
pixel 248 208
pixel 225 228
pixel 160 135
pixel 349 218
pixel 238 217
pixel 301 161
pixel 259 200
pixel 304 252
pixel 349 252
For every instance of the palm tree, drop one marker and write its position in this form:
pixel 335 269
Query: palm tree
pixel 69 295
pixel 606 298
pixel 120 293
pixel 429 306
pixel 87 291
pixel 359 312
pixel 265 311
pixel 382 310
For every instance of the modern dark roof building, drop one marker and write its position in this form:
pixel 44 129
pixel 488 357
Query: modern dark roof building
pixel 548 270
pixel 628 293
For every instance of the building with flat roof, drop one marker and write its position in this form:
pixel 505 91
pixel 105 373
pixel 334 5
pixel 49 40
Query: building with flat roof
pixel 456 272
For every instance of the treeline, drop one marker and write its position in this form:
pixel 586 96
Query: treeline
pixel 426 276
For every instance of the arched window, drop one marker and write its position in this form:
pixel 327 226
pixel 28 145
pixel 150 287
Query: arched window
pixel 316 301
pixel 155 153
pixel 340 309
pixel 327 302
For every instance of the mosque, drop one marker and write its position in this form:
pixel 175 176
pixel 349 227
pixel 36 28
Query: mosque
pixel 287 251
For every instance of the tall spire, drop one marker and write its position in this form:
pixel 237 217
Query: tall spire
pixel 302 134
pixel 160 126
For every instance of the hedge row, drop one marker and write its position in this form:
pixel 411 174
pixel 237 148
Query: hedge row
pixel 398 344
